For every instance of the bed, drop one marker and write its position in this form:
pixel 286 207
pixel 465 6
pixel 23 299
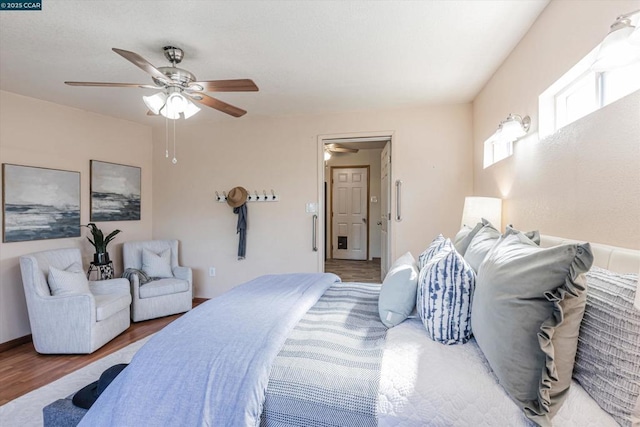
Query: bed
pixel 279 351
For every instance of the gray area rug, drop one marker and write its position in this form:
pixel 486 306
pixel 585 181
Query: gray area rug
pixel 26 411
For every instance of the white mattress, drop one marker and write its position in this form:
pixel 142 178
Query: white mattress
pixel 425 383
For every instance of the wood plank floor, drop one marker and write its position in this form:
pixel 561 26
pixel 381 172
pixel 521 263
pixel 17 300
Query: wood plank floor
pixel 355 271
pixel 23 370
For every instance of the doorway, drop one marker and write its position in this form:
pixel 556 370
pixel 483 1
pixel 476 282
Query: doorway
pixel 352 220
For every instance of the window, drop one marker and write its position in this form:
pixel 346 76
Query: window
pixel 495 150
pixel 582 91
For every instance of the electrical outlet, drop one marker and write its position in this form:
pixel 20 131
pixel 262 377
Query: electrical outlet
pixel 212 271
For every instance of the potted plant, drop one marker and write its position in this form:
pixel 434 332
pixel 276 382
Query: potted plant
pixel 100 243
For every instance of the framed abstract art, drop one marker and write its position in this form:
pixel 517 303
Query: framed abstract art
pixel 39 203
pixel 115 192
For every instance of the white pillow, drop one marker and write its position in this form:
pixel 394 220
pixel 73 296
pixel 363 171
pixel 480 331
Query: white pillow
pixel 157 265
pixel 398 293
pixel 71 281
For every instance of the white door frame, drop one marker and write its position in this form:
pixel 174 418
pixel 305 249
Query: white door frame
pixel 321 140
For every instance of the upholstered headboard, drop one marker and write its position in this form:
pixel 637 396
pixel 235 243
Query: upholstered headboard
pixel 612 258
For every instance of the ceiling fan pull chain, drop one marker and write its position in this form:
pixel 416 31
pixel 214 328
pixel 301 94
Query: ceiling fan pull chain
pixel 175 160
pixel 166 138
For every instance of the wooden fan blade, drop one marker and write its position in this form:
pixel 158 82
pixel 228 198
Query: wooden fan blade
pixel 336 149
pixel 238 85
pixel 102 84
pixel 142 63
pixel 217 104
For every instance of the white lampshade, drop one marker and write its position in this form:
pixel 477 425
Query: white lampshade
pixel 616 50
pixel 155 102
pixel 176 102
pixel 511 129
pixel 476 208
pixel 327 155
pixel 169 113
pixel 190 109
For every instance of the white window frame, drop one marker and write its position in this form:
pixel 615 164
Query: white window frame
pixel 495 150
pixel 552 112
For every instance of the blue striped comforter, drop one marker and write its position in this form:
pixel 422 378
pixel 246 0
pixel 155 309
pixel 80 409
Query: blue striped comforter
pixel 211 366
pixel 328 372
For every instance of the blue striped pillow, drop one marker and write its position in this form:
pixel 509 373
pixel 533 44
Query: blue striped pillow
pixel 434 248
pixel 445 291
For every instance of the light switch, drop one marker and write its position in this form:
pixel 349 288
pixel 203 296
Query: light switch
pixel 312 207
pixel 374 199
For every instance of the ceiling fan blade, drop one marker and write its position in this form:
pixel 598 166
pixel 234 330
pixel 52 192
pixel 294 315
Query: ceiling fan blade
pixel 337 149
pixel 238 85
pixel 101 84
pixel 151 113
pixel 217 104
pixel 142 63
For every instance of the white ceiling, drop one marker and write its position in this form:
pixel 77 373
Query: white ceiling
pixel 306 57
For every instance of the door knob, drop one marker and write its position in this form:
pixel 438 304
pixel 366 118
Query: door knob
pixel 364 220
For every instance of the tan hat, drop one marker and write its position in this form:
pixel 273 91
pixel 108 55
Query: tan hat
pixel 237 197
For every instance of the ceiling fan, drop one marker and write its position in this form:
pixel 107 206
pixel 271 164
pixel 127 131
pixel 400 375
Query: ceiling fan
pixel 178 87
pixel 335 148
pixel 330 149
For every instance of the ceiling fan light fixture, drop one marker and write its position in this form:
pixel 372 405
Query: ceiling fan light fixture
pixel 169 113
pixel 190 109
pixel 177 102
pixel 327 155
pixel 155 102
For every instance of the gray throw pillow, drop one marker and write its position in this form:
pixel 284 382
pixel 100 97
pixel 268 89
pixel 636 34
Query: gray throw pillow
pixel 398 293
pixel 526 314
pixel 464 236
pixel 608 358
pixel 481 244
pixel 157 265
pixel 70 281
pixel 534 235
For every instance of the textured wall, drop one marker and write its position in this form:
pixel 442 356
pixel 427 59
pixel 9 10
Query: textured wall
pixel 431 154
pixel 43 134
pixel 583 182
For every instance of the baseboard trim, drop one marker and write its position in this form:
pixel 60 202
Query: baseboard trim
pixel 15 343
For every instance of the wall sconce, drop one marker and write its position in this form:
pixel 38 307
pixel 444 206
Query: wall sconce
pixel 476 208
pixel 622 45
pixel 500 145
pixel 512 128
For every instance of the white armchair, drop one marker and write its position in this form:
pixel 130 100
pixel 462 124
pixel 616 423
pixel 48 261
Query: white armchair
pixel 76 323
pixel 161 297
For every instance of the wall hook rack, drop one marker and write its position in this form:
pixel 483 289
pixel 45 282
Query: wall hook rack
pixel 252 196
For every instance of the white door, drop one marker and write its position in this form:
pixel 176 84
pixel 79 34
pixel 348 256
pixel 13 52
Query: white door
pixel 385 208
pixel 350 194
